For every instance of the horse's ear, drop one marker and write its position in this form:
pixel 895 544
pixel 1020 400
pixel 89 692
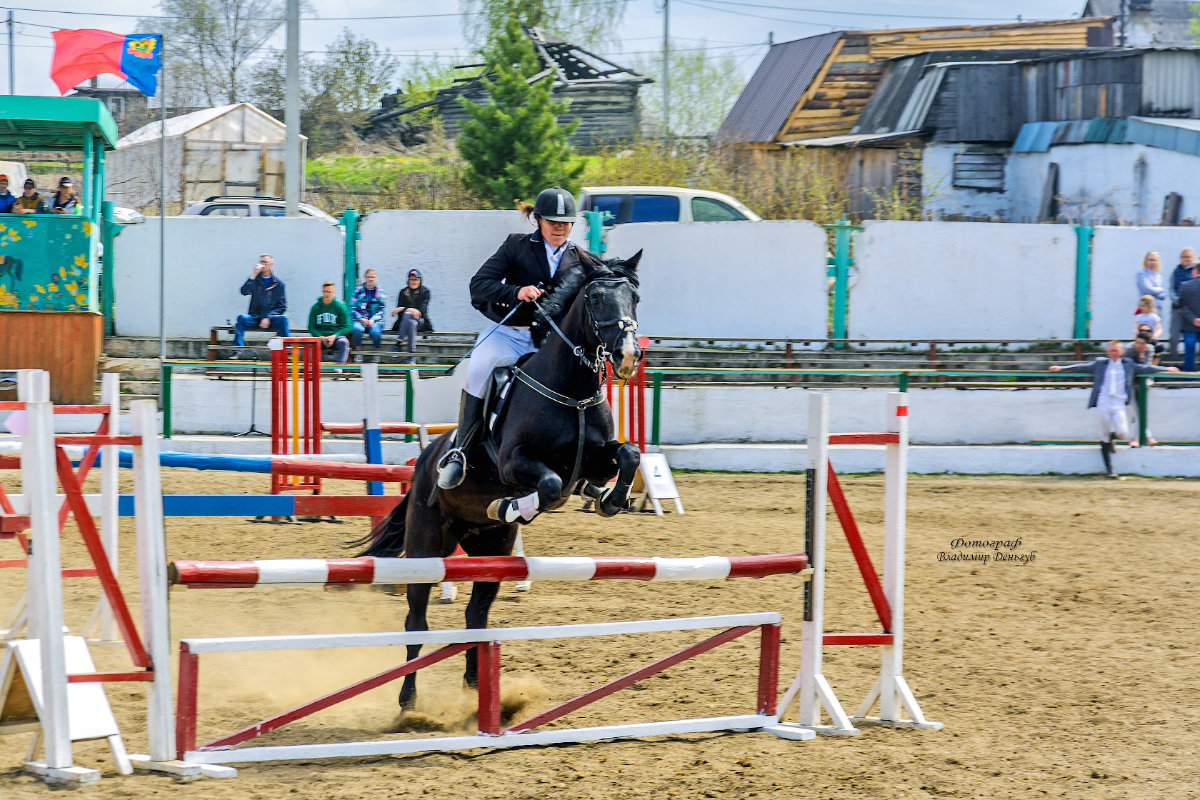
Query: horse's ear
pixel 631 263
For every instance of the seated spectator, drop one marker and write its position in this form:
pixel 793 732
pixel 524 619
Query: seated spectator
pixel 1141 350
pixel 30 202
pixel 329 321
pixel 367 307
pixel 7 198
pixel 412 307
pixel 268 302
pixel 64 200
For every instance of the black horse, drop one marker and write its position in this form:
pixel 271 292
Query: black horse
pixel 555 436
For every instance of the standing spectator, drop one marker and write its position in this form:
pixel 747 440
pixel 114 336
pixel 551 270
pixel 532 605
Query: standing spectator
pixel 64 200
pixel 367 307
pixel 1112 392
pixel 7 198
pixel 412 306
pixel 1189 311
pixel 1179 276
pixel 30 202
pixel 329 321
pixel 1150 279
pixel 268 302
pixel 1143 351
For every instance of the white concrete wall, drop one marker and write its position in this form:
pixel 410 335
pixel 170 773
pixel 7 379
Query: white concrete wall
pixel 1116 258
pixel 758 279
pixel 958 280
pixel 208 260
pixel 1122 183
pixel 446 246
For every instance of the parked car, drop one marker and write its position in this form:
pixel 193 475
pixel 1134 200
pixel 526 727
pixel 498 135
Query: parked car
pixel 250 206
pixel 663 204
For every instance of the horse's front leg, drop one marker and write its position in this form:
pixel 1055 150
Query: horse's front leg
pixel 418 604
pixel 521 469
pixel 626 458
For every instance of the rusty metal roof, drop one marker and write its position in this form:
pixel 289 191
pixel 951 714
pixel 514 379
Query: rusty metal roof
pixel 776 87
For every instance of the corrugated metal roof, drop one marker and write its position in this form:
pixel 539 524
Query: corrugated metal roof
pixel 1182 135
pixel 1038 137
pixel 852 139
pixel 784 75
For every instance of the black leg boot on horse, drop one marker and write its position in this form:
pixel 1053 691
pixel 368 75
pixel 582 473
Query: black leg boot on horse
pixel 453 467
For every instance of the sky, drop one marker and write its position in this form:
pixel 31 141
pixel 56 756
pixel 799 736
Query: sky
pixel 421 29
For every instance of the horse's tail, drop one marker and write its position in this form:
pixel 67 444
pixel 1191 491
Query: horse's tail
pixel 387 538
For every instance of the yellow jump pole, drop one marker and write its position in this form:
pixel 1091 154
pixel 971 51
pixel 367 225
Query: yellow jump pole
pixel 621 410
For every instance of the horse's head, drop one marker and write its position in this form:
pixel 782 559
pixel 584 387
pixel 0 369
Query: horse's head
pixel 610 299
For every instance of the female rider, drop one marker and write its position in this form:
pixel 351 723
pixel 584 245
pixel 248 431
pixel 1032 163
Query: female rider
pixel 502 290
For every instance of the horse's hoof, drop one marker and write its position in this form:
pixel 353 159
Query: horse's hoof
pixel 504 510
pixel 606 509
pixel 523 586
pixel 493 509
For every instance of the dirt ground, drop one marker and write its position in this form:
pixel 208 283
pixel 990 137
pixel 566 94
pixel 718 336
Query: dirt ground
pixel 1069 675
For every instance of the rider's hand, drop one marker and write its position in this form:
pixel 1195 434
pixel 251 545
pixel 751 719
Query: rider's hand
pixel 528 293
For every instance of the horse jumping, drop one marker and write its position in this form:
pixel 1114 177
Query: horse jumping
pixel 554 436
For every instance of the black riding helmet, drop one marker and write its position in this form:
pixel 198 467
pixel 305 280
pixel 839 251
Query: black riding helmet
pixel 556 205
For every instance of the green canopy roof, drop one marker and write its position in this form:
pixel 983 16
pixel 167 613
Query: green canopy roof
pixel 53 123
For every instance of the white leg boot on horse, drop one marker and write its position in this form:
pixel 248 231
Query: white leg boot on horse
pixel 453 468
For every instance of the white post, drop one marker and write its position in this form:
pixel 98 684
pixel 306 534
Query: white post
pixel 891 689
pixel 152 577
pixel 45 579
pixel 110 395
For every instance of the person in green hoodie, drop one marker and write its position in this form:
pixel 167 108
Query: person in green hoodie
pixel 329 321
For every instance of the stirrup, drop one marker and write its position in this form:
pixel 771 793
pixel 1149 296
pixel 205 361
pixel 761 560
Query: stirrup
pixel 452 469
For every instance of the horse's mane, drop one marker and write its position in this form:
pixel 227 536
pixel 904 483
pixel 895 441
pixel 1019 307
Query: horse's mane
pixel 571 282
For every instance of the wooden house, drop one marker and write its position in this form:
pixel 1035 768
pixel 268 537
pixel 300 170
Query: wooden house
pixel 602 95
pixel 818 86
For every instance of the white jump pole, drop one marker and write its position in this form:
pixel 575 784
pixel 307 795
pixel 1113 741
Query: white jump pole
pixel 101 620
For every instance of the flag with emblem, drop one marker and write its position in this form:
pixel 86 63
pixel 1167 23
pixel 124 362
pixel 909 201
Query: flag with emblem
pixel 80 55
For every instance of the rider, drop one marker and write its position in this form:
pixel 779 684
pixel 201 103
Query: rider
pixel 502 290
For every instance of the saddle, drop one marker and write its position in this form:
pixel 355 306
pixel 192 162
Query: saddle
pixel 495 403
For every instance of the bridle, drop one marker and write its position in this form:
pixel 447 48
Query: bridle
pixel 602 354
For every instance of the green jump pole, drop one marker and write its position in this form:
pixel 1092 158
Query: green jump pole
pixel 1143 405
pixel 655 408
pixel 164 391
pixel 108 234
pixel 350 220
pixel 409 400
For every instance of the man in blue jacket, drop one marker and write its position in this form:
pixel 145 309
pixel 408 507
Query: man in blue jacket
pixel 1112 392
pixel 268 302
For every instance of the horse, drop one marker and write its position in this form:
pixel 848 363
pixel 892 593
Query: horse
pixel 555 435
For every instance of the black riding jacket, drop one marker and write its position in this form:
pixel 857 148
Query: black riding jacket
pixel 520 261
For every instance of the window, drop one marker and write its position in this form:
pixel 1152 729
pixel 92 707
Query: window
pixel 272 211
pixel 983 172
pixel 116 106
pixel 226 211
pixel 606 202
pixel 655 208
pixel 705 209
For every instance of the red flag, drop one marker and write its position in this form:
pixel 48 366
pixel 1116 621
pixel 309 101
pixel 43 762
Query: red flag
pixel 84 54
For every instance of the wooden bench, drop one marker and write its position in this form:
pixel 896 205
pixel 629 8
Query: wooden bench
pixel 218 351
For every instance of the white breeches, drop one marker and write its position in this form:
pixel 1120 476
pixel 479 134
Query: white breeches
pixel 1113 419
pixel 490 348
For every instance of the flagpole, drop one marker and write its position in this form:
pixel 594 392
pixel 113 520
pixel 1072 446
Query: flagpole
pixel 162 215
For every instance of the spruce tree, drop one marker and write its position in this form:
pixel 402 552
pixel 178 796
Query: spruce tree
pixel 512 143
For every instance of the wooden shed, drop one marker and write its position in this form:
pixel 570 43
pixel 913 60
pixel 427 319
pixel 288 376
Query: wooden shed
pixel 817 87
pixel 601 93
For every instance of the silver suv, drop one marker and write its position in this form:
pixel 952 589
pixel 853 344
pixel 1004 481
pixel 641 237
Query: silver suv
pixel 223 205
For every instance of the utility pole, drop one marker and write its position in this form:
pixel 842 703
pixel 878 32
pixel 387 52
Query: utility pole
pixel 291 114
pixel 12 77
pixel 666 72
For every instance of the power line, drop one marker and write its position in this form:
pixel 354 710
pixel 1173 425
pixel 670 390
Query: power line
pixel 255 19
pixel 850 13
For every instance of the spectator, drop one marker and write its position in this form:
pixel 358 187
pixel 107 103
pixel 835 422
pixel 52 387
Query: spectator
pixel 1142 351
pixel 268 302
pixel 1147 314
pixel 30 202
pixel 1179 276
pixel 412 306
pixel 64 200
pixel 1150 280
pixel 1189 310
pixel 7 198
pixel 367 307
pixel 329 321
pixel 1112 392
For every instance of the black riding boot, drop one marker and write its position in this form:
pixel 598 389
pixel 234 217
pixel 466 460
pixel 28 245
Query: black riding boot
pixel 453 467
pixel 1106 452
